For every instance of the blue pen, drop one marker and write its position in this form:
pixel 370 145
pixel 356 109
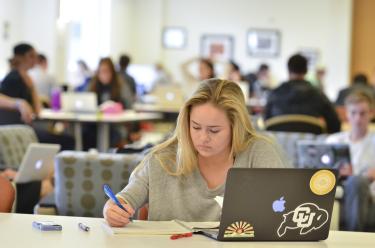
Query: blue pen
pixel 108 191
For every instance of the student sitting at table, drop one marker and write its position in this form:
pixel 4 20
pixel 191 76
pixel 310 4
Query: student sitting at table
pixel 108 86
pixel 358 208
pixel 17 84
pixel 180 177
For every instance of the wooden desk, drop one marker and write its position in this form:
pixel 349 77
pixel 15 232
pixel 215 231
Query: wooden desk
pixel 16 231
pixel 103 121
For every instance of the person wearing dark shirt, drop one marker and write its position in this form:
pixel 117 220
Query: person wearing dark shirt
pixel 129 81
pixel 360 82
pixel 298 96
pixel 18 85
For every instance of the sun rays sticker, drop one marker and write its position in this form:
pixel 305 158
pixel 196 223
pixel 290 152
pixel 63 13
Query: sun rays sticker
pixel 322 182
pixel 306 217
pixel 239 229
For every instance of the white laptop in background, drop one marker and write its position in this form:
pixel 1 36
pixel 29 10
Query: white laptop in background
pixel 169 96
pixel 79 102
pixel 37 163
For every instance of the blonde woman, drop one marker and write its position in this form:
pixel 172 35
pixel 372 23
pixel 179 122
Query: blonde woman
pixel 180 178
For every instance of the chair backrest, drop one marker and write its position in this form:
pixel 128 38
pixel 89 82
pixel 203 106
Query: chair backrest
pixel 14 140
pixel 288 142
pixel 296 123
pixel 7 195
pixel 79 178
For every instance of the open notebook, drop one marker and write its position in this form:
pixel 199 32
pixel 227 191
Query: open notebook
pixel 139 227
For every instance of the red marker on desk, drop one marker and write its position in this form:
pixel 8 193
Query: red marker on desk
pixel 181 235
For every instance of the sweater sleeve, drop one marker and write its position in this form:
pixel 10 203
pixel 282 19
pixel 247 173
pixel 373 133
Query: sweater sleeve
pixel 137 191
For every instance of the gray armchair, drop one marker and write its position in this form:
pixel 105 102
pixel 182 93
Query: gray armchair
pixel 79 178
pixel 14 140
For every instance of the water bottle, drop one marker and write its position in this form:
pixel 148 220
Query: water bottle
pixel 55 99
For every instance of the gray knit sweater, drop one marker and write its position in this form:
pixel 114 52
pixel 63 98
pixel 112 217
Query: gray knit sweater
pixel 189 198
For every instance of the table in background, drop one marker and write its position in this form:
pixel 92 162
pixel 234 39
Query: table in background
pixel 103 121
pixel 170 113
pixel 16 231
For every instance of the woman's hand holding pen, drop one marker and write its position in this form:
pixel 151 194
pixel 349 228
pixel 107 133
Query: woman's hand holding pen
pixel 115 216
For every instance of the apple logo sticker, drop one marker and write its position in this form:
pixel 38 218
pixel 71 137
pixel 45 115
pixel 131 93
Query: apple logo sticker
pixel 278 206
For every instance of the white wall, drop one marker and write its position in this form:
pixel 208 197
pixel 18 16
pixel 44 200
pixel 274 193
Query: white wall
pixel 32 21
pixel 9 12
pixel 324 25
pixel 136 29
pixel 39 27
pixel 122 26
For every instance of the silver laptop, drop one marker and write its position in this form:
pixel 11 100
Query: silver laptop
pixel 169 96
pixel 79 102
pixel 276 205
pixel 317 154
pixel 37 163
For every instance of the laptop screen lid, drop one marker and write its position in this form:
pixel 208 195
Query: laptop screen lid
pixel 37 162
pixel 169 96
pixel 317 154
pixel 80 102
pixel 277 204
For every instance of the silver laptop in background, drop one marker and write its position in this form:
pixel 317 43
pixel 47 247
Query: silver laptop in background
pixel 317 154
pixel 169 96
pixel 79 102
pixel 37 163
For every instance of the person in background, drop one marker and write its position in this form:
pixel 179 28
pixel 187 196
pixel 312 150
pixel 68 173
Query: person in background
pixel 23 107
pixel 318 78
pixel 43 81
pixel 163 78
pixel 298 96
pixel 18 85
pixel 213 134
pixel 234 72
pixel 360 82
pixel 128 81
pixel 359 209
pixel 84 76
pixel 206 70
pixel 107 84
pixel 259 82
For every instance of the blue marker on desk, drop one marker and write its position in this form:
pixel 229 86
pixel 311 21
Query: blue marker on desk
pixel 108 191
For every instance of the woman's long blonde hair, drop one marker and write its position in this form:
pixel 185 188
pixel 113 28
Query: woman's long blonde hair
pixel 225 95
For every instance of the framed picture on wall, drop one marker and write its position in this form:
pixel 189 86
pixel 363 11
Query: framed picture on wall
pixel 217 47
pixel 263 42
pixel 174 38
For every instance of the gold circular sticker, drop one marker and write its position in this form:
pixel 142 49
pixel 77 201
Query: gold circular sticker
pixel 322 182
